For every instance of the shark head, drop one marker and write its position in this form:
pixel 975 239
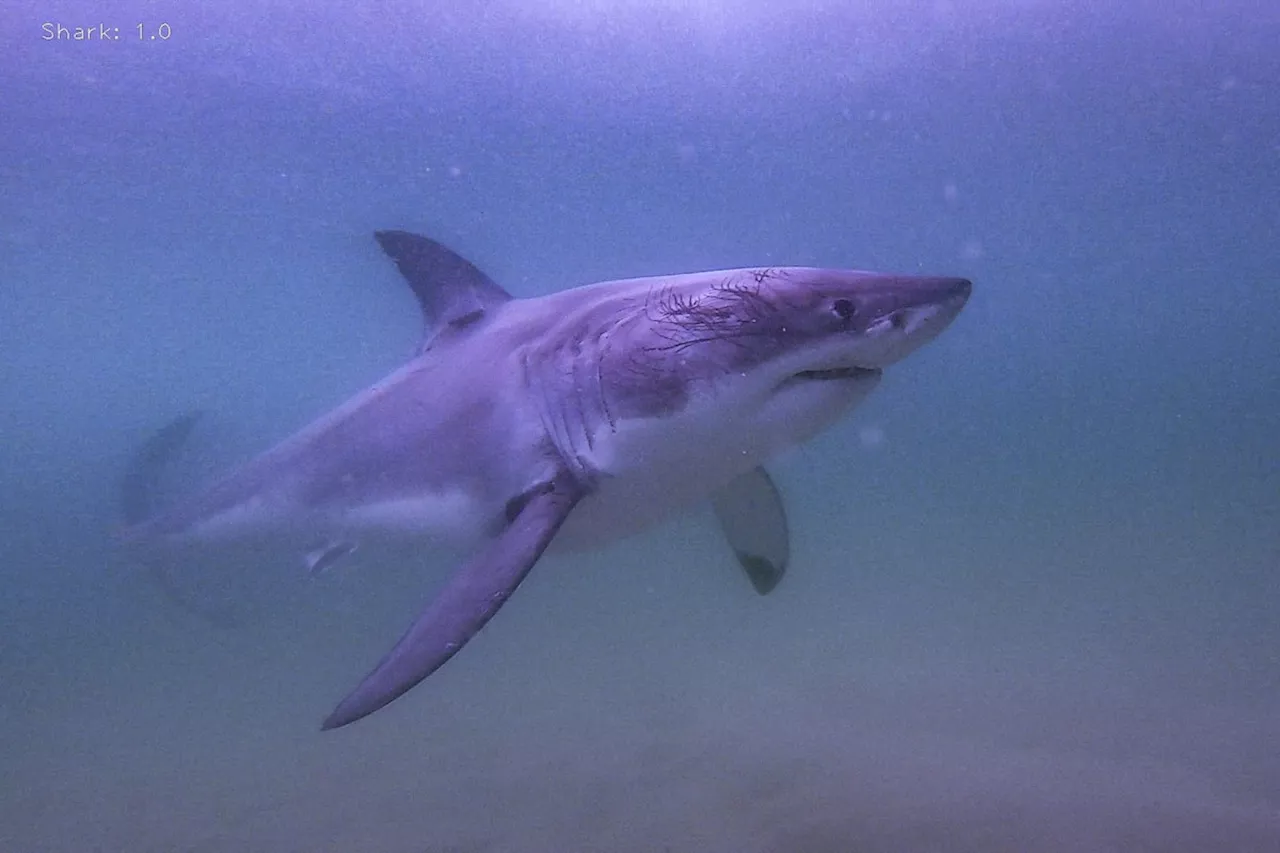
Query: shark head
pixel 674 385
pixel 792 342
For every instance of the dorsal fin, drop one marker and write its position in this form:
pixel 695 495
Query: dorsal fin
pixel 450 290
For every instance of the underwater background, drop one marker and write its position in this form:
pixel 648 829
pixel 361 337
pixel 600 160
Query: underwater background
pixel 1034 596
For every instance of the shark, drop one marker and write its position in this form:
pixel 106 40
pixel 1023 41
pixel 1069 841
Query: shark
pixel 568 420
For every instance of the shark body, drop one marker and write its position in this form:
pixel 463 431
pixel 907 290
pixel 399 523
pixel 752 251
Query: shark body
pixel 579 417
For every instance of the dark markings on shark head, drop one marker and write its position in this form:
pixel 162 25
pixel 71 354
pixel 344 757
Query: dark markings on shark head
pixel 564 421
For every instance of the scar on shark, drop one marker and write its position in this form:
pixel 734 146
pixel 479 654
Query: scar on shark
pixel 568 420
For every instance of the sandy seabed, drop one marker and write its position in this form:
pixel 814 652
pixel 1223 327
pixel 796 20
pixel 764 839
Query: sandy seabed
pixel 615 706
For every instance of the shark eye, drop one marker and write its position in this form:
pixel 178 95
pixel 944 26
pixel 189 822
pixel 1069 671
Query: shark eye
pixel 844 308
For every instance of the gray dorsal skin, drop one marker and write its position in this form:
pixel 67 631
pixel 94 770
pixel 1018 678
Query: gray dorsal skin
pixel 752 516
pixel 564 421
pixel 450 290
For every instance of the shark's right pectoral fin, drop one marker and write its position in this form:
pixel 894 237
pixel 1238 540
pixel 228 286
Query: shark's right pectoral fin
pixel 754 521
pixel 469 600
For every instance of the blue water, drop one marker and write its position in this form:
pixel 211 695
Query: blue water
pixel 1033 604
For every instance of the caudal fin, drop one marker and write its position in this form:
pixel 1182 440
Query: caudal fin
pixel 140 498
pixel 139 492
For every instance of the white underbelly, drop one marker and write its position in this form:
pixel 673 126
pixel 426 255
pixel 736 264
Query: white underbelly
pixel 653 467
pixel 650 470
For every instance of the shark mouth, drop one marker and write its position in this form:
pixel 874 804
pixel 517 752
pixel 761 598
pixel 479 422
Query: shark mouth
pixel 839 373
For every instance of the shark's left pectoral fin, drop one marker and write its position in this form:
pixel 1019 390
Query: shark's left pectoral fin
pixel 754 521
pixel 469 600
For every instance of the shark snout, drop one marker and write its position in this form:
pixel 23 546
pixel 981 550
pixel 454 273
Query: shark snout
pixel 957 292
pixel 951 296
pixel 916 312
pixel 937 290
pixel 960 288
pixel 933 301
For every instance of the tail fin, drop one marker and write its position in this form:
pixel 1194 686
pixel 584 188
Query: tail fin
pixel 140 498
pixel 140 489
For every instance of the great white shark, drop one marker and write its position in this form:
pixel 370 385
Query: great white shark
pixel 575 418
